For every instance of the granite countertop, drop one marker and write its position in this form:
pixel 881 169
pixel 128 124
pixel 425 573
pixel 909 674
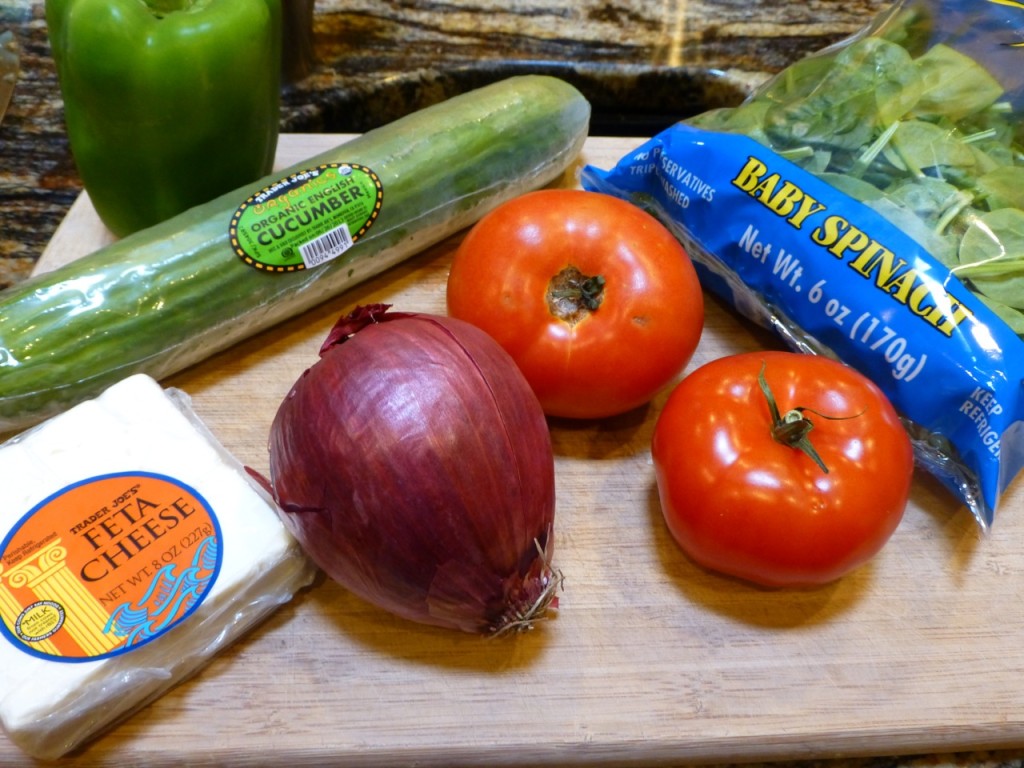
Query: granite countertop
pixel 643 64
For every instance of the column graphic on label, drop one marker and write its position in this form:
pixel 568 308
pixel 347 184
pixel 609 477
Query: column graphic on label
pixel 63 603
pixel 9 606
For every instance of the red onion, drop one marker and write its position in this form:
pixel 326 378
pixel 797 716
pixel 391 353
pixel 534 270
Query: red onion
pixel 414 464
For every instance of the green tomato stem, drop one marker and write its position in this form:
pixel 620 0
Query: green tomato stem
pixel 793 428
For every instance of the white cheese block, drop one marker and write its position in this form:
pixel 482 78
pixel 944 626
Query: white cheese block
pixel 134 547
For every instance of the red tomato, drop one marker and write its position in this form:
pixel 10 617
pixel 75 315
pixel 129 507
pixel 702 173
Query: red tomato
pixel 741 502
pixel 594 299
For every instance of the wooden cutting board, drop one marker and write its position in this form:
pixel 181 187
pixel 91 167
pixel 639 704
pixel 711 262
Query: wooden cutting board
pixel 649 658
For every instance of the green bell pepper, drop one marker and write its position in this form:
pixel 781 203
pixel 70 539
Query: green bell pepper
pixel 167 103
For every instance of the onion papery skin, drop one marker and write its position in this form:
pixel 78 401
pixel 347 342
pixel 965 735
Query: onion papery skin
pixel 414 464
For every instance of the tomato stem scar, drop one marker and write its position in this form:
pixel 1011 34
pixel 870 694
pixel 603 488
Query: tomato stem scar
pixel 571 295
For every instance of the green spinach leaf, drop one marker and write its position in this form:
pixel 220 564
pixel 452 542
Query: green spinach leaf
pixel 954 85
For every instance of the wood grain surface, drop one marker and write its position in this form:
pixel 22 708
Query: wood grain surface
pixel 649 660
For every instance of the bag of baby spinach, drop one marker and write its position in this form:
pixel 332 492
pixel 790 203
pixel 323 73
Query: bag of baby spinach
pixel 868 203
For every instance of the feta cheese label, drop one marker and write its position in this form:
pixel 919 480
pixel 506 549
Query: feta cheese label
pixel 106 565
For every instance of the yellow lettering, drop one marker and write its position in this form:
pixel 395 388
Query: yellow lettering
pixel 880 262
pixel 877 257
pixel 931 303
pixel 957 315
pixel 891 274
pixel 852 240
pixel 788 200
pixel 829 230
pixel 900 285
pixel 808 207
pixel 838 236
pixel 765 189
pixel 793 203
pixel 750 174
pixel 920 305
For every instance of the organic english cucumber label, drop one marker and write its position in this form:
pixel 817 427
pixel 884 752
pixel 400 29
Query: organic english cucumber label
pixel 307 218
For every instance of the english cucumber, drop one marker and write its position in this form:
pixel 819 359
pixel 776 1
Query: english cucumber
pixel 174 294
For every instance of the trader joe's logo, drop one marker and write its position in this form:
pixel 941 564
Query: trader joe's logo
pixel 306 219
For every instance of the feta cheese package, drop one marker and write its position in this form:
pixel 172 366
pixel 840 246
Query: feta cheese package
pixel 868 203
pixel 133 547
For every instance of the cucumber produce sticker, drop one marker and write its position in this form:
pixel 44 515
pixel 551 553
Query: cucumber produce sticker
pixel 307 218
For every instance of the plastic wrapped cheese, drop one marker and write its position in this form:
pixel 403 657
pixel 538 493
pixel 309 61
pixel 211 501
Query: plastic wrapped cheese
pixel 134 547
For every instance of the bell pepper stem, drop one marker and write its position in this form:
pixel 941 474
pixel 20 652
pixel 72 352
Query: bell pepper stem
pixel 161 7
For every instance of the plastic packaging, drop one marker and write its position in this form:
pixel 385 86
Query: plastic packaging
pixel 868 203
pixel 133 547
pixel 177 293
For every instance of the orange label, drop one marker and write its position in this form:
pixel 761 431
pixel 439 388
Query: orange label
pixel 107 564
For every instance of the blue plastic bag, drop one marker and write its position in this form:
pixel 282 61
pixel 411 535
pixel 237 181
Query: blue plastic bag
pixel 866 204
